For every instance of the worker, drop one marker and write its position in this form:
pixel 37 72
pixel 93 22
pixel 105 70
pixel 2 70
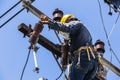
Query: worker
pixel 99 47
pixel 57 14
pixel 84 65
pixel 65 61
pixel 100 50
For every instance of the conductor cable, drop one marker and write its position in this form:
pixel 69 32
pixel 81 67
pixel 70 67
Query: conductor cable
pixel 10 9
pixel 11 17
pixel 114 25
pixel 60 68
pixel 21 77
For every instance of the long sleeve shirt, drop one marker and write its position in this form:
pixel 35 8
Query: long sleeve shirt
pixel 78 33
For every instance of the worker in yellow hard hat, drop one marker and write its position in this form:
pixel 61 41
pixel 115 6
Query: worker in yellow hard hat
pixel 68 18
pixel 85 63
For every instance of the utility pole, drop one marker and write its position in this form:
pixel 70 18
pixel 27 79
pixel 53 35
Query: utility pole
pixel 56 49
pixel 50 45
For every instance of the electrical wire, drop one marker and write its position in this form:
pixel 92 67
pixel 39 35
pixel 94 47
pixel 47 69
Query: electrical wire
pixel 57 61
pixel 111 50
pixel 104 28
pixel 25 63
pixel 29 49
pixel 58 36
pixel 11 17
pixel 102 19
pixel 59 76
pixel 55 57
pixel 59 67
pixel 114 25
pixel 10 9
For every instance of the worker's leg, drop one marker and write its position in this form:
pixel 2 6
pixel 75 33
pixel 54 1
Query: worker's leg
pixel 92 70
pixel 79 74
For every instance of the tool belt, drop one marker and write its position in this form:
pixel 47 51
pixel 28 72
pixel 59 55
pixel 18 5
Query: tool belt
pixel 89 50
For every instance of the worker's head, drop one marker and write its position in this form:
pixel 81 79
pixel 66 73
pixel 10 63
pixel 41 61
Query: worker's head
pixel 99 42
pixel 99 46
pixel 57 14
pixel 67 18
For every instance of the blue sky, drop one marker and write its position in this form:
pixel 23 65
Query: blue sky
pixel 14 48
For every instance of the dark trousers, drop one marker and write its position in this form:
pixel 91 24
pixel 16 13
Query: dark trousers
pixel 87 69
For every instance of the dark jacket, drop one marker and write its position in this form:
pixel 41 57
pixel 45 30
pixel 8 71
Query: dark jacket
pixel 78 33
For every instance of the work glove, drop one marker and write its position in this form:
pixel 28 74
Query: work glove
pixel 44 19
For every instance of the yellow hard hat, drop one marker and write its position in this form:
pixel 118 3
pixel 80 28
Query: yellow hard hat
pixel 66 17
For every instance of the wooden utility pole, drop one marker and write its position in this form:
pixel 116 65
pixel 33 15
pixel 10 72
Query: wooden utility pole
pixel 50 45
pixel 56 49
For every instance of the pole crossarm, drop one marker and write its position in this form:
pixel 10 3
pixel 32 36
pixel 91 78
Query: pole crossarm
pixel 42 40
pixel 111 66
pixel 33 10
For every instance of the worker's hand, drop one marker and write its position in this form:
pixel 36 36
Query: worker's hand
pixel 44 18
pixel 45 22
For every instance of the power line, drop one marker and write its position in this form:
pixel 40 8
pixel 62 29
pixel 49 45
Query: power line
pixel 59 76
pixel 10 9
pixel 58 37
pixel 59 67
pixel 111 50
pixel 102 19
pixel 25 63
pixel 11 17
pixel 114 25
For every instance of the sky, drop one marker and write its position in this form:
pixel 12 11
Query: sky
pixel 14 48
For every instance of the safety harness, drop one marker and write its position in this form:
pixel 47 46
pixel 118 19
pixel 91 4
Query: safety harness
pixel 89 51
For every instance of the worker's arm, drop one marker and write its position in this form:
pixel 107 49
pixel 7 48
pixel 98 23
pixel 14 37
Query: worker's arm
pixel 71 27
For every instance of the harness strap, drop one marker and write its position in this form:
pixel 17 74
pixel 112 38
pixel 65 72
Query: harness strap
pixel 99 58
pixel 88 53
pixel 91 50
pixel 78 63
pixel 88 49
pixel 78 52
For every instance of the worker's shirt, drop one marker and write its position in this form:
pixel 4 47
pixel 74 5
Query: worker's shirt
pixel 78 33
